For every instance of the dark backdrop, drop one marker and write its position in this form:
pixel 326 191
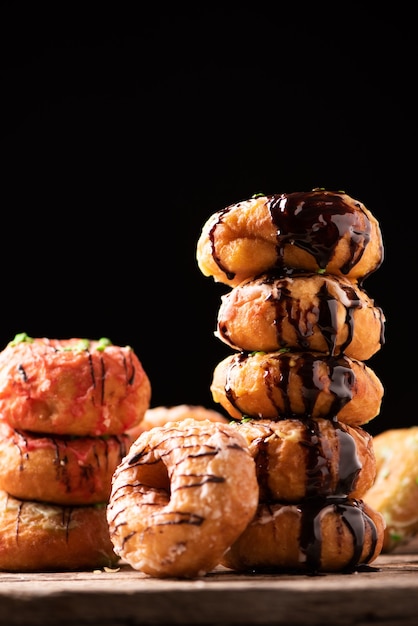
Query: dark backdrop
pixel 123 132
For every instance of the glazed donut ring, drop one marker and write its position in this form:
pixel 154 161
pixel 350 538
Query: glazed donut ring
pixel 160 415
pixel 182 495
pixel 395 490
pixel 301 311
pixel 296 459
pixel 316 535
pixel 59 469
pixel 72 387
pixel 36 537
pixel 281 384
pixel 315 230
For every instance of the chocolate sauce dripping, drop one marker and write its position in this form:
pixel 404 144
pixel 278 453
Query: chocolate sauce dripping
pixel 219 215
pixel 349 463
pixel 315 222
pixel 318 475
pixel 351 514
pixel 341 377
pixel 326 315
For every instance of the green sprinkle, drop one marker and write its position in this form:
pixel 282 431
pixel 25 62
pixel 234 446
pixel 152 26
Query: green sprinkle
pixel 321 271
pixel 82 345
pixel 104 342
pixel 259 194
pixel 21 338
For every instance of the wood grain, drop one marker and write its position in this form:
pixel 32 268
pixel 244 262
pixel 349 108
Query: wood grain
pixel 386 593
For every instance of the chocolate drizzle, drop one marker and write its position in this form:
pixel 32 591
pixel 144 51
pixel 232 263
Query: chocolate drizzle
pixel 313 221
pixel 307 368
pixel 350 513
pixel 25 442
pixel 316 221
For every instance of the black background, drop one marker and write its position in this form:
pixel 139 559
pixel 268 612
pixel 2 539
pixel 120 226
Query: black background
pixel 122 132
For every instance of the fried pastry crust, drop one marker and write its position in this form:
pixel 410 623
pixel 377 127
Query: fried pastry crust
pixel 315 230
pixel 395 491
pixel 301 311
pixel 37 537
pixel 316 535
pixel 59 469
pixel 181 497
pixel 296 458
pixel 280 384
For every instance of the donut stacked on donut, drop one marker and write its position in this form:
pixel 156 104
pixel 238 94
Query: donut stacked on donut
pixel 66 406
pixel 301 326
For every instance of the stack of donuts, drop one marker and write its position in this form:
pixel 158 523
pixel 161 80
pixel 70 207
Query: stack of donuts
pixel 297 386
pixel 65 408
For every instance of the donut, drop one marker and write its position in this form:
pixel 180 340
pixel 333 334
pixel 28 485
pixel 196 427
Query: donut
pixel 160 415
pixel 395 490
pixel 72 386
pixel 281 384
pixel 59 469
pixel 38 537
pixel 296 459
pixel 315 535
pixel 301 311
pixel 318 230
pixel 184 492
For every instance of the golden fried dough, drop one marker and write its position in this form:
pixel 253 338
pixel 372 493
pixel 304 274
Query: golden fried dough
pixel 182 495
pixel 316 535
pixel 72 386
pixel 301 311
pixel 296 459
pixel 395 491
pixel 59 469
pixel 315 230
pixel 36 537
pixel 281 384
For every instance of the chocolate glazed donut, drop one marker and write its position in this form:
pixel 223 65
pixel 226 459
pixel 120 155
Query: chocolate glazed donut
pixel 280 384
pixel 315 231
pixel 301 311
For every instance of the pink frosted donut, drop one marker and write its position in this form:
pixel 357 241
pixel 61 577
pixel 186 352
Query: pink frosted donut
pixel 72 386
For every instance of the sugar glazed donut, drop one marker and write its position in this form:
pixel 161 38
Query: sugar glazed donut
pixel 301 311
pixel 395 490
pixel 319 535
pixel 72 386
pixel 181 497
pixel 302 458
pixel 281 384
pixel 59 469
pixel 38 537
pixel 318 230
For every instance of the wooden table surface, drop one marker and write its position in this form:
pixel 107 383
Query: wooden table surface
pixel 386 593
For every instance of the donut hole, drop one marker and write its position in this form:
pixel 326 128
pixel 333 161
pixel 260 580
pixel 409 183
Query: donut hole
pixel 155 476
